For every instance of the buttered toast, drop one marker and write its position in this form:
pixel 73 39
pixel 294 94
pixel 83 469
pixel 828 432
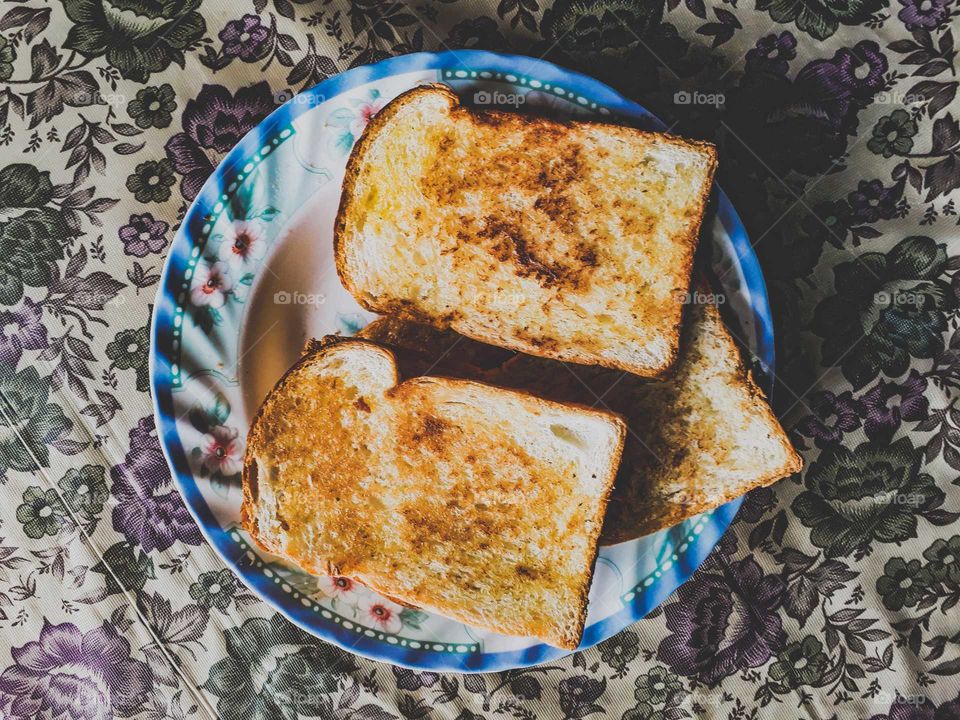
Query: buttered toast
pixel 566 240
pixel 696 441
pixel 478 503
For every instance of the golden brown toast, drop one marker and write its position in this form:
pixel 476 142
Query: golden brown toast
pixel 475 502
pixel 695 441
pixel 566 240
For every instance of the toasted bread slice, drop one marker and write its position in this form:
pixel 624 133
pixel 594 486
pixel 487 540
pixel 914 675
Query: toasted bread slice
pixel 476 502
pixel 571 241
pixel 702 438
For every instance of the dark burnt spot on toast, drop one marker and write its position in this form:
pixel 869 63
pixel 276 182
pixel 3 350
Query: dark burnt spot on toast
pixel 445 143
pixel 548 273
pixel 587 255
pixel 560 170
pixel 543 343
pixel 361 404
pixel 491 119
pixel 433 427
pixel 526 572
pixel 252 480
pixel 559 209
pixel 552 132
pixel 429 431
pixel 509 242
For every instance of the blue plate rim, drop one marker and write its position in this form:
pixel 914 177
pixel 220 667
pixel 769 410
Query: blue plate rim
pixel 162 396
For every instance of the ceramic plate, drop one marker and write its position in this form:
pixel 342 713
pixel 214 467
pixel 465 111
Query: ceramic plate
pixel 250 275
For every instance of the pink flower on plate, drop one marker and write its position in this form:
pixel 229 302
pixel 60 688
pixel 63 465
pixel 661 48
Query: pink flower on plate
pixel 364 114
pixel 334 586
pixel 244 242
pixel 223 450
pixel 210 284
pixel 380 613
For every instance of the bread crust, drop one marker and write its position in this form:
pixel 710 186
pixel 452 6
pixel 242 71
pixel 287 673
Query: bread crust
pixel 358 159
pixel 571 637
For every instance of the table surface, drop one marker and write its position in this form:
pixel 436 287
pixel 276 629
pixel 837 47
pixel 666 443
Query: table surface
pixel 835 592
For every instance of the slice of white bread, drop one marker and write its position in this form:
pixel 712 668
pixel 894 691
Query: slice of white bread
pixel 478 503
pixel 702 438
pixel 566 240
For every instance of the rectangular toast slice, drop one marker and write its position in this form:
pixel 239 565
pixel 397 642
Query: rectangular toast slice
pixel 695 441
pixel 567 240
pixel 475 502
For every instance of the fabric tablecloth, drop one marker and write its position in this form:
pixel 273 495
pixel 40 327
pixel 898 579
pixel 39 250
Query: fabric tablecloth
pixel 835 592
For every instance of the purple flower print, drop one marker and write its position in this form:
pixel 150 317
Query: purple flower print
pixel 244 38
pixel 21 329
pixel 856 72
pixel 772 53
pixel 803 124
pixel 143 235
pixel 149 510
pixel 723 621
pixel 215 120
pixel 883 416
pixel 833 415
pixel 835 88
pixel 948 710
pixel 871 201
pixel 191 162
pixel 73 675
pixel 924 14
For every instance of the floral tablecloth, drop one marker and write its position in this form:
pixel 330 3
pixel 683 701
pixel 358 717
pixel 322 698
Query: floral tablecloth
pixel 834 594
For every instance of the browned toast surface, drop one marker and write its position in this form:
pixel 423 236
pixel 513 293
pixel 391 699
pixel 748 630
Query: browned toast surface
pixel 476 502
pixel 569 240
